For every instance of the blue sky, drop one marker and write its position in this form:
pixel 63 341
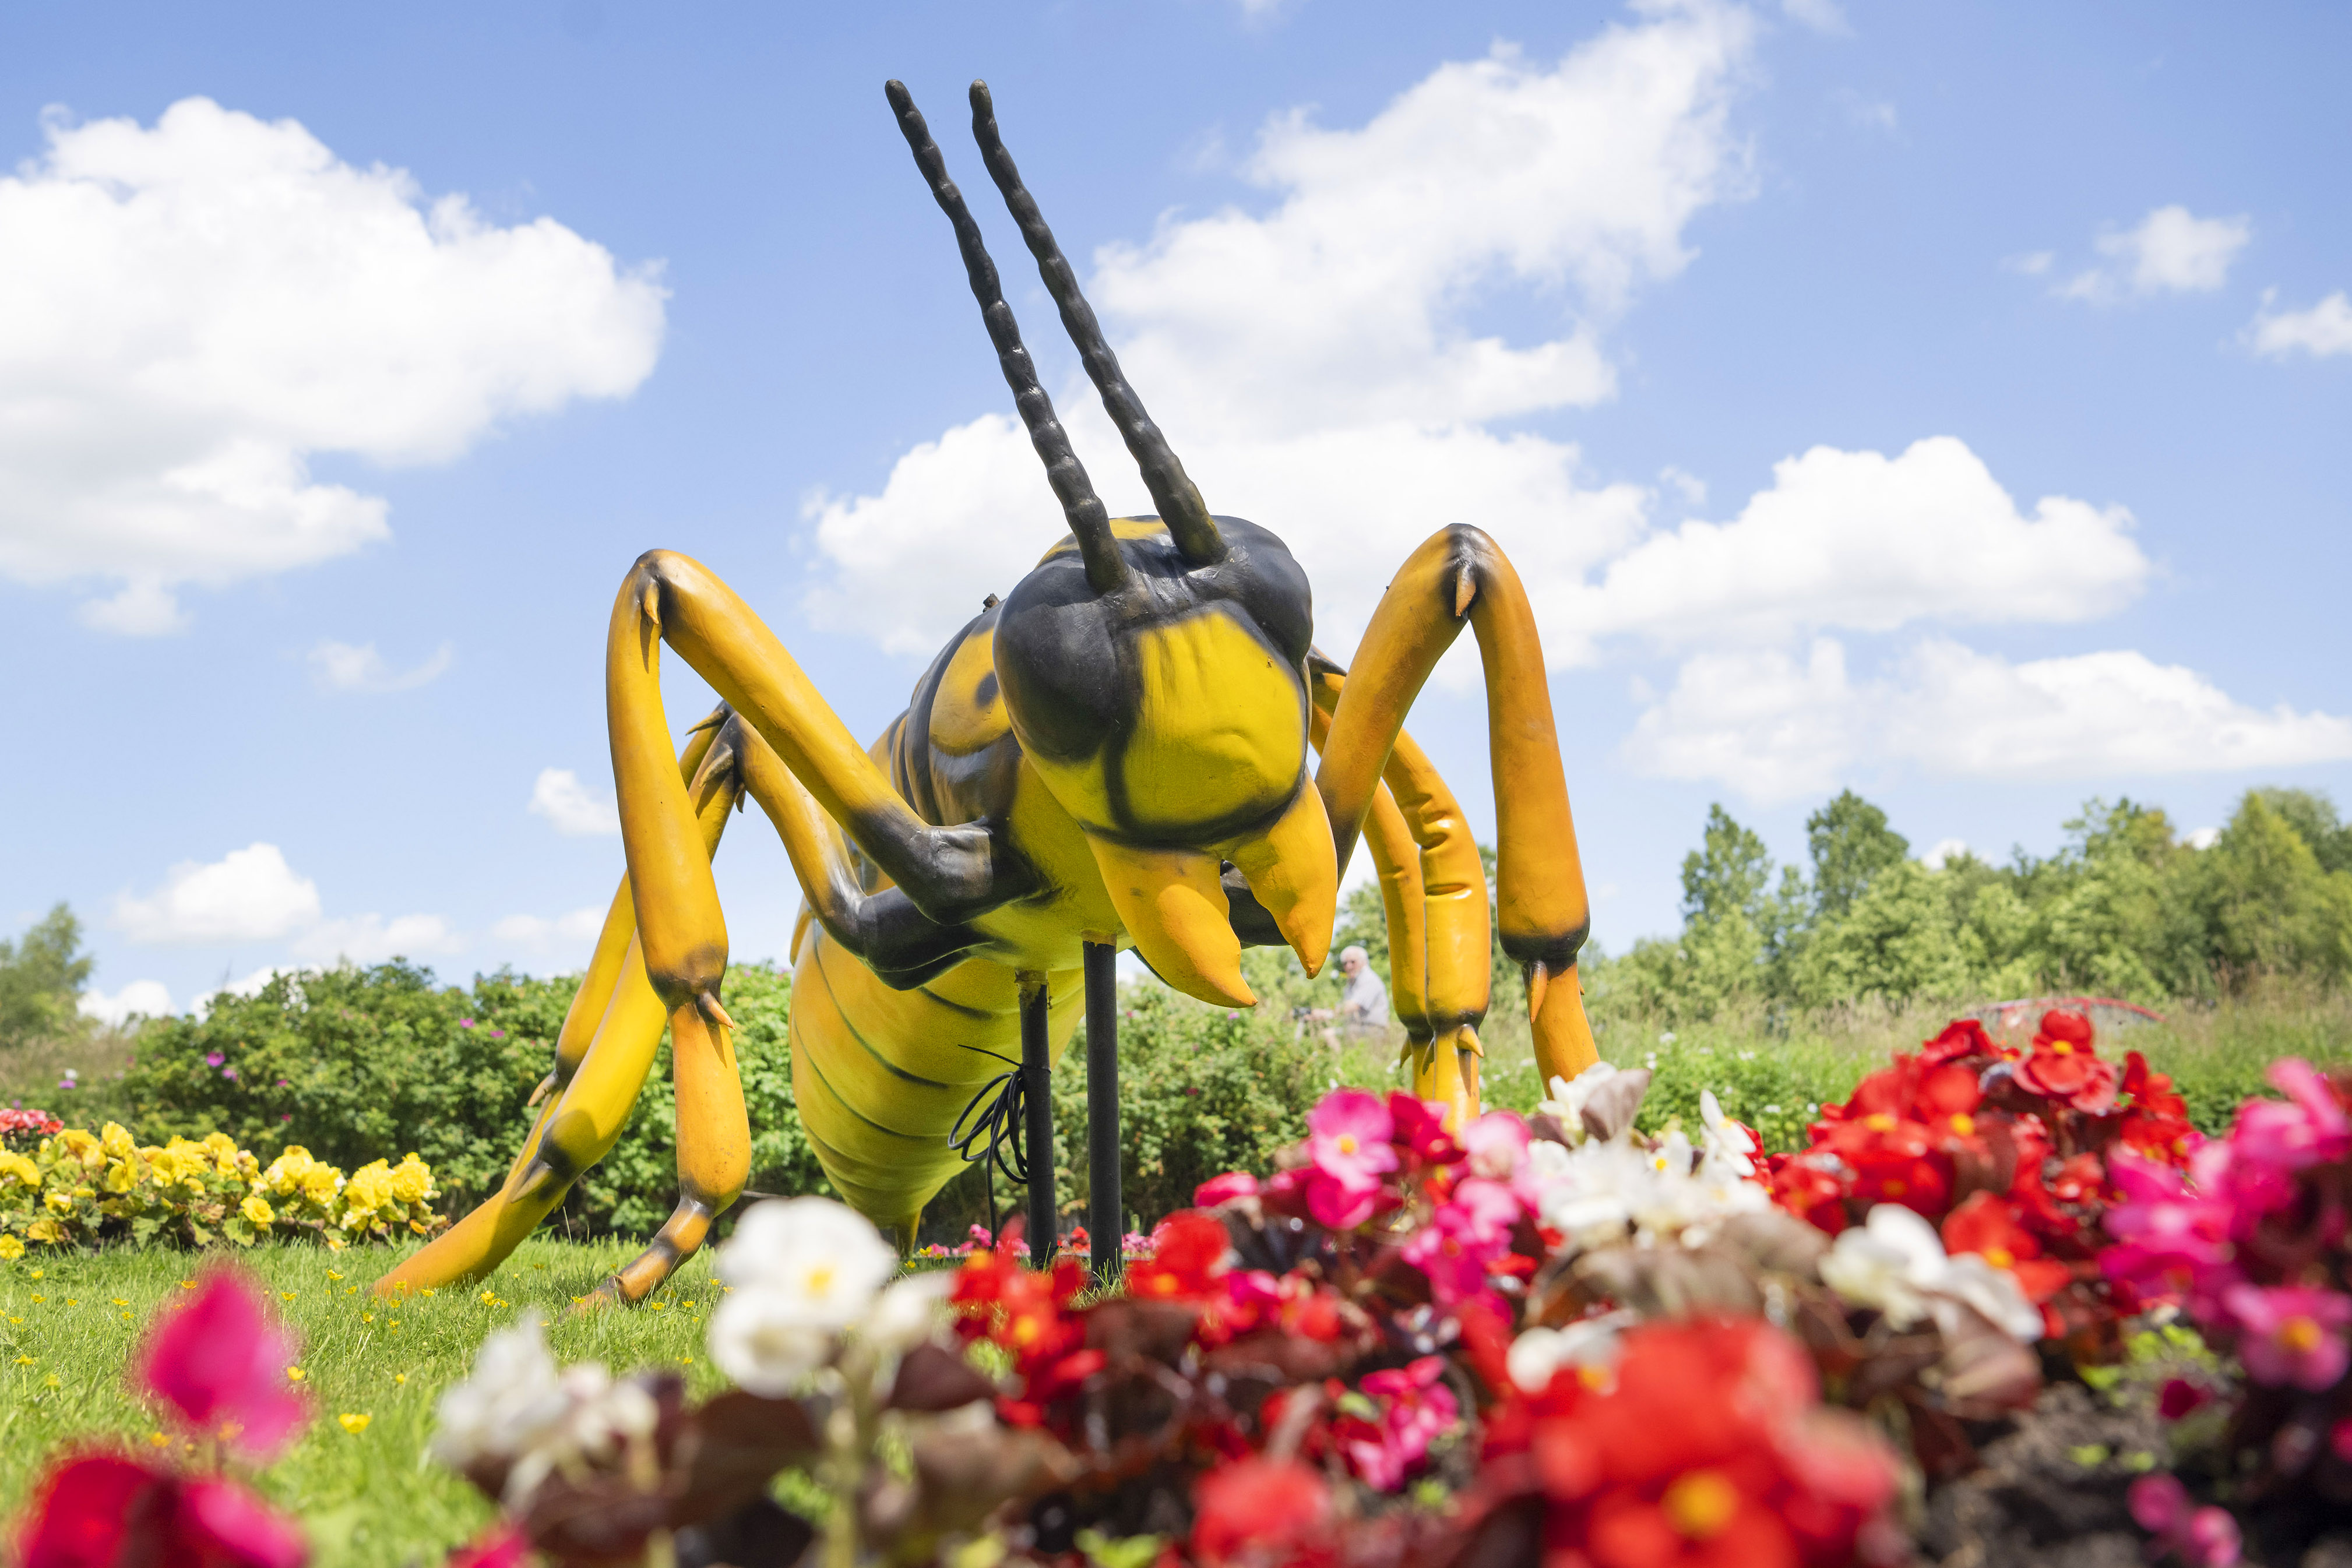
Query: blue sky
pixel 1937 402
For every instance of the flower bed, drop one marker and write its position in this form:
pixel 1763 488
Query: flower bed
pixel 75 1187
pixel 1965 1306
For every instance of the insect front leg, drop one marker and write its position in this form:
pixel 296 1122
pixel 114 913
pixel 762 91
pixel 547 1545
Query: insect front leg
pixel 606 1048
pixel 1460 576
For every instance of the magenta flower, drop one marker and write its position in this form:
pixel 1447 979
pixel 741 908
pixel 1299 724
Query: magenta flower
pixel 1463 1238
pixel 2308 1128
pixel 1224 1189
pixel 2203 1537
pixel 1416 1408
pixel 2170 1240
pixel 2294 1333
pixel 1347 1137
pixel 464 1023
pixel 220 1363
pixel 1497 1145
pixel 213 1059
pixel 1420 1126
pixel 99 1509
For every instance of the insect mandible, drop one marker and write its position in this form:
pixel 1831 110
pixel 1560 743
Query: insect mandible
pixel 1115 756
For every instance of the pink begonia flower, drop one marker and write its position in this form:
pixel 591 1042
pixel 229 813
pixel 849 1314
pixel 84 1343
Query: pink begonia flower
pixel 2308 1128
pixel 1420 1126
pixel 2294 1333
pixel 104 1508
pixel 1347 1137
pixel 2203 1537
pixel 1463 1238
pixel 1224 1189
pixel 220 1361
pixel 1497 1145
pixel 1415 1409
pixel 2170 1240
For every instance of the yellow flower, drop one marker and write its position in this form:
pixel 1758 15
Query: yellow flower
pixel 410 1181
pixel 159 1440
pixel 120 1176
pixel 352 1424
pixel 257 1210
pixel 58 1202
pixel 116 1140
pixel 19 1169
pixel 332 1275
pixel 26 1361
pixel 36 1274
pixel 295 1374
pixel 400 1377
pixel 319 1183
pixel 80 1145
pixel 284 1295
pixel 370 1186
pixel 52 1381
pixel 187 1284
pixel 11 1248
pixel 120 1302
pixel 367 1317
pixel 45 1231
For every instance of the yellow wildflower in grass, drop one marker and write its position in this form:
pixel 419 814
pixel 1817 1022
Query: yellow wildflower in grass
pixel 295 1374
pixel 367 1317
pixel 258 1209
pixel 120 1302
pixel 11 1248
pixel 401 1378
pixel 52 1381
pixel 159 1439
pixel 332 1275
pixel 187 1284
pixel 284 1295
pixel 353 1424
pixel 26 1361
pixel 36 1274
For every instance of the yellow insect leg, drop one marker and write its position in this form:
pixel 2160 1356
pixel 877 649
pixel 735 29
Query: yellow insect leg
pixel 1459 575
pixel 616 1035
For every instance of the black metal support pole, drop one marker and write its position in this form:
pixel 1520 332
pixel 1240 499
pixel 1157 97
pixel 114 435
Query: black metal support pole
pixel 1037 1090
pixel 1106 1214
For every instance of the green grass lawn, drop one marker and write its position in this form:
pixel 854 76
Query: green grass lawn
pixel 71 1324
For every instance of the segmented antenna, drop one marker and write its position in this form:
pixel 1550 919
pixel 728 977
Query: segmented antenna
pixel 1089 522
pixel 1178 500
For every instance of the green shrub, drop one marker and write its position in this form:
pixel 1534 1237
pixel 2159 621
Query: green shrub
pixel 358 1064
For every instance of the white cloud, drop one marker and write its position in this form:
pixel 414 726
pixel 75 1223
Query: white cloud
pixel 1945 851
pixel 344 667
pixel 371 938
pixel 147 998
pixel 580 925
pixel 250 986
pixel 1313 363
pixel 1869 113
pixel 1775 728
pixel 2033 263
pixel 2323 329
pixel 248 895
pixel 252 896
pixel 2172 252
pixel 1861 541
pixel 564 802
pixel 191 311
pixel 2203 838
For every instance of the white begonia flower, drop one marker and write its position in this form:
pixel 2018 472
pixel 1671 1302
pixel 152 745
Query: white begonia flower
pixel 804 1269
pixel 1891 1263
pixel 1994 1293
pixel 1571 1095
pixel 1539 1353
pixel 908 1313
pixel 1723 1139
pixel 1897 1263
pixel 517 1409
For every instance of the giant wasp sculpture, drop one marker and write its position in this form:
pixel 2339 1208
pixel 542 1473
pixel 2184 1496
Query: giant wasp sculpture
pixel 1114 756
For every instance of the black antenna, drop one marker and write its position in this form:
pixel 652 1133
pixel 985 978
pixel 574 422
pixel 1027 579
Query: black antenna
pixel 1180 503
pixel 1089 522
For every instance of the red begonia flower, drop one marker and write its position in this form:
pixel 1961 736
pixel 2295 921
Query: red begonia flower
pixel 100 1509
pixel 1261 1511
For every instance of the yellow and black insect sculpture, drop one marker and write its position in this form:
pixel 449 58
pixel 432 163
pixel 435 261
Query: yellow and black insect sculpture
pixel 1114 756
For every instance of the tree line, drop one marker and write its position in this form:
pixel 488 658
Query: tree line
pixel 2128 908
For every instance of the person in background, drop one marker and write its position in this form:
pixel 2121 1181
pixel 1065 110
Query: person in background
pixel 1363 999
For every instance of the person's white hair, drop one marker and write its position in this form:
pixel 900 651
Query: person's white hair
pixel 1356 953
